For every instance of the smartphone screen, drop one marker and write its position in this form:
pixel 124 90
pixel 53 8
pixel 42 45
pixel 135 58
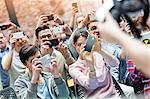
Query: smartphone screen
pixel 54 42
pixel 18 35
pixel 89 43
pixel 45 60
pixel 57 30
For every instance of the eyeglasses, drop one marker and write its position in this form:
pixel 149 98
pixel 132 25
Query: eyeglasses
pixel 79 44
pixel 93 28
pixel 19 39
pixel 44 36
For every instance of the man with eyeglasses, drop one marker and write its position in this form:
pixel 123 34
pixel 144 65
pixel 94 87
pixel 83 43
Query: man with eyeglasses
pixel 11 61
pixel 47 42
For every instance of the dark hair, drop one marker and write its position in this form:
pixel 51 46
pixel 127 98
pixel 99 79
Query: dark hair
pixel 39 29
pixel 90 23
pixel 27 51
pixel 78 34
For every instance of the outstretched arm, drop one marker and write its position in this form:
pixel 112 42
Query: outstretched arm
pixel 135 49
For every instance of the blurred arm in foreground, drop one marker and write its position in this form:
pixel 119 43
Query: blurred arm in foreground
pixel 135 49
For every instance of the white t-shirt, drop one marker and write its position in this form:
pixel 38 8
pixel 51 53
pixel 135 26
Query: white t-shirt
pixel 16 68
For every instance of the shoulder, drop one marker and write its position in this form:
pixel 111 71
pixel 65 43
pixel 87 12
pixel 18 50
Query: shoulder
pixel 22 80
pixel 78 65
pixel 97 55
pixel 23 77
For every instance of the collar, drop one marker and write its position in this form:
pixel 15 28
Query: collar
pixel 6 49
pixel 54 52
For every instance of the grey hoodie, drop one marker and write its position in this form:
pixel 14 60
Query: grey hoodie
pixel 26 90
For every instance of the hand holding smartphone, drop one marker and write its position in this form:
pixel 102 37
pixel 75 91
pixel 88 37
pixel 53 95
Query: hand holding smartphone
pixel 75 7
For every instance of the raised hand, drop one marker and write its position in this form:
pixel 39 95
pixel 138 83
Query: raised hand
pixel 45 47
pixel 63 49
pixel 36 70
pixel 54 68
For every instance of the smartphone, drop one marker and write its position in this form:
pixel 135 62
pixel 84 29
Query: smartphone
pixel 18 35
pixel 45 60
pixel 57 30
pixel 104 9
pixel 75 4
pixel 89 43
pixel 54 42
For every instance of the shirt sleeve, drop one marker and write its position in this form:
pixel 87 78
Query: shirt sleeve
pixel 23 91
pixel 60 88
pixel 82 78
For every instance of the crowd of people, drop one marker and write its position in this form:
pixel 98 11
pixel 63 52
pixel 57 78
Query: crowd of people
pixel 58 63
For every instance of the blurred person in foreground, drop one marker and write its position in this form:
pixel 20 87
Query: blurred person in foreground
pixel 136 50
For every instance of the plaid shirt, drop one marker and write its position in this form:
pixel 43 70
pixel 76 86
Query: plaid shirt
pixel 136 76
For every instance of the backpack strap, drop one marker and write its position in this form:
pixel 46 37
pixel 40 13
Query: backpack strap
pixel 118 88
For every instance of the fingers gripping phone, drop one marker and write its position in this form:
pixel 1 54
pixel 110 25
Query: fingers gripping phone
pixel 45 60
pixel 89 43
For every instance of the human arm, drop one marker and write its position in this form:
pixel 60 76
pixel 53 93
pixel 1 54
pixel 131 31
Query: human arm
pixel 65 52
pixel 59 86
pixel 81 78
pixel 74 10
pixel 7 59
pixel 23 90
pixel 80 73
